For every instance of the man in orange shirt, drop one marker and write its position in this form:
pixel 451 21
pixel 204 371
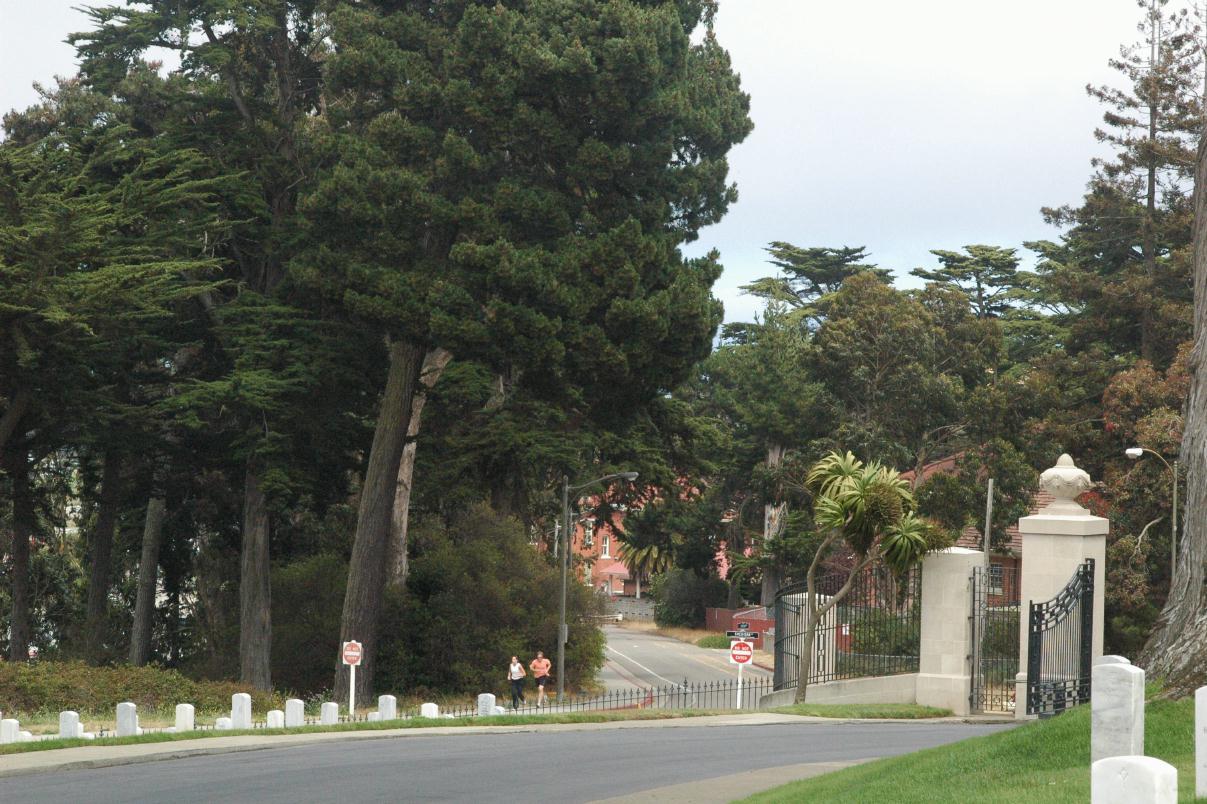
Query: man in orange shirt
pixel 540 670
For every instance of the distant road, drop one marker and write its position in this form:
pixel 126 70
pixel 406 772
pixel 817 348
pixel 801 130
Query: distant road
pixel 563 766
pixel 641 659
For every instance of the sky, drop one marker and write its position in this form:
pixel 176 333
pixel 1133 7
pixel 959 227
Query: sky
pixel 902 127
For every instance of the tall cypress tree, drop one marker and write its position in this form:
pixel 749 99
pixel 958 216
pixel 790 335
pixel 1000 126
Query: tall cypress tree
pixel 511 182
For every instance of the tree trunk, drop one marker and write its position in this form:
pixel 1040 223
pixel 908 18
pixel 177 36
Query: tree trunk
pixel 773 525
pixel 148 576
pixel 255 594
pixel 434 363
pixel 17 406
pixel 1177 649
pixel 805 668
pixel 24 526
pixel 100 559
pixel 367 568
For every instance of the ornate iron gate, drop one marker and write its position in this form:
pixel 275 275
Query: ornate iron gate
pixel 995 623
pixel 1060 634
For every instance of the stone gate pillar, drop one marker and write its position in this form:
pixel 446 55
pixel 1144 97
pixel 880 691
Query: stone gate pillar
pixel 1056 540
pixel 943 670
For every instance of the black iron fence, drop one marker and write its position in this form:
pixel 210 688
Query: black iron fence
pixel 995 638
pixel 709 695
pixel 874 630
pixel 1060 635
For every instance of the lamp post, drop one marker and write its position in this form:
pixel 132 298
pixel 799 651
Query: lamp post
pixel 567 544
pixel 1135 453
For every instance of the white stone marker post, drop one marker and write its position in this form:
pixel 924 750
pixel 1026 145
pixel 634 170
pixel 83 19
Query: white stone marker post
pixel 186 717
pixel 275 719
pixel 69 725
pixel 1133 780
pixel 374 717
pixel 240 711
pixel 945 644
pixel 295 713
pixel 1056 541
pixel 486 704
pixel 10 730
pixel 387 705
pixel 222 724
pixel 1200 742
pixel 429 710
pixel 329 714
pixel 1116 711
pixel 127 719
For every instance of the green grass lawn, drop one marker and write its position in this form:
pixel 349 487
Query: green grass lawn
pixel 856 711
pixel 1044 761
pixel 415 723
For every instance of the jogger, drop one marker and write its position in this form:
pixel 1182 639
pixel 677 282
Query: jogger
pixel 515 674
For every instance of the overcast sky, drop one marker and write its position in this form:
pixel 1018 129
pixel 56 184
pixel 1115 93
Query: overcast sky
pixel 897 126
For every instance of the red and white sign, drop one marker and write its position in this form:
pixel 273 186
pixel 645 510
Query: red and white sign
pixel 352 652
pixel 740 652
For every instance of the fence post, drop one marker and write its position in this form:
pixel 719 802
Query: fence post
pixel 944 651
pixel 1056 542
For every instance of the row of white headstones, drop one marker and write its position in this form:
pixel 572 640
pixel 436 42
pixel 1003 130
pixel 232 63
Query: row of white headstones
pixel 293 716
pixel 1120 773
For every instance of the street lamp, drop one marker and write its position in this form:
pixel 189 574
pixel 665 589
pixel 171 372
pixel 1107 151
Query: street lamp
pixel 1137 452
pixel 562 633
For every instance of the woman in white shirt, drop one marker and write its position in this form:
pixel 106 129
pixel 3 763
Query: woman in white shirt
pixel 515 674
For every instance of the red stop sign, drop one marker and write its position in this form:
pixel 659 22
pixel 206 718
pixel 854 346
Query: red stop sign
pixel 352 653
pixel 741 652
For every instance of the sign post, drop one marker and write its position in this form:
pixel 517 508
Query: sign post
pixel 352 653
pixel 741 653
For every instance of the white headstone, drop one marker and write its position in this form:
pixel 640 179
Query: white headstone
pixel 429 710
pixel 295 713
pixel 27 736
pixel 1112 660
pixel 10 730
pixel 388 706
pixel 1116 711
pixel 486 704
pixel 241 711
pixel 222 724
pixel 1200 742
pixel 186 717
pixel 374 717
pixel 329 714
pixel 500 710
pixel 275 719
pixel 127 719
pixel 79 731
pixel 1133 780
pixel 69 725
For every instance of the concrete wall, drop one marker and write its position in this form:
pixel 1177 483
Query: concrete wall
pixel 876 689
pixel 631 608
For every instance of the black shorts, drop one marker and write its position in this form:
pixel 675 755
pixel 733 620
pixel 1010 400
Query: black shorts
pixel 543 681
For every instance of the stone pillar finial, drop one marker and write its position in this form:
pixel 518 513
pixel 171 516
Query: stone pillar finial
pixel 1065 482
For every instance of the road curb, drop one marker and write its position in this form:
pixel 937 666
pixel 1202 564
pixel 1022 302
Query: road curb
pixel 91 757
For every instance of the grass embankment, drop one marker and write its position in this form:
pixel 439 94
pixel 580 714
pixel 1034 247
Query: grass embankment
pixel 864 711
pixel 1043 761
pixel 416 723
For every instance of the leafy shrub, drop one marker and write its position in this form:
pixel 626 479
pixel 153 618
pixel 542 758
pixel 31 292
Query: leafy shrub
pixel 877 632
pixel 713 641
pixel 307 601
pixel 681 597
pixel 46 686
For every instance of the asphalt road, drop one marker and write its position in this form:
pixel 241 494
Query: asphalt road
pixel 641 659
pixel 567 766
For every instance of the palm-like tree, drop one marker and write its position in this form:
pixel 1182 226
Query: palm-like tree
pixel 868 507
pixel 643 559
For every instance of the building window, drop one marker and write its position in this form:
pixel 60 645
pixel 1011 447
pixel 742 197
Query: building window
pixel 606 552
pixel 997 578
pixel 589 533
